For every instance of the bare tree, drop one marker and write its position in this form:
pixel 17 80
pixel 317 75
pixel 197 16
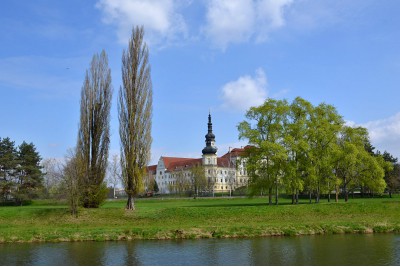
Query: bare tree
pixel 94 130
pixel 135 112
pixel 114 172
pixel 198 179
pixel 72 172
pixel 182 182
pixel 53 177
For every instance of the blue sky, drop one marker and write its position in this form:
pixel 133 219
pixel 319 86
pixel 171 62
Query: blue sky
pixel 223 56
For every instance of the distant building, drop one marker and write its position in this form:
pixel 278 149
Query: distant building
pixel 223 174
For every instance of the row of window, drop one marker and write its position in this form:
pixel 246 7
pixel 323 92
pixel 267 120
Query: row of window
pixel 216 187
pixel 226 180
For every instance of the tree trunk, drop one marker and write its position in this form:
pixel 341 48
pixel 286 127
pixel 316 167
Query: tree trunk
pixel 297 197
pixel 310 197
pixel 130 205
pixel 390 193
pixel 276 194
pixel 329 196
pixel 270 196
pixel 293 198
pixel 346 194
pixel 337 194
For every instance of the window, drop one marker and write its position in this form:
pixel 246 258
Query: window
pixel 221 180
pixel 222 187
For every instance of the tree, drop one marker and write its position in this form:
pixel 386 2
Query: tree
pixel 8 166
pixel 324 126
pixel 114 172
pixel 29 177
pixel 267 157
pixel 135 112
pixel 297 145
pixel 354 165
pixel 155 187
pixel 182 183
pixel 94 130
pixel 392 172
pixel 198 179
pixel 72 171
pixel 53 177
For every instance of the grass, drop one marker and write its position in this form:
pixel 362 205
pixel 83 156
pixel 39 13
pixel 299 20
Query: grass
pixel 196 218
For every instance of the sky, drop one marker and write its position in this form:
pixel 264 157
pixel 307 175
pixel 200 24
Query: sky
pixel 221 56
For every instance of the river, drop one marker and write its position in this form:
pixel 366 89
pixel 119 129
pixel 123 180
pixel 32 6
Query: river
pixel 368 249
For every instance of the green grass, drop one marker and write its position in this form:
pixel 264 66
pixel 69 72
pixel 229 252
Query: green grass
pixel 196 218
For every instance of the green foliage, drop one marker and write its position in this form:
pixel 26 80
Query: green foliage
pixel 306 148
pixel 268 156
pixel 94 130
pixel 198 179
pixel 155 187
pixel 21 177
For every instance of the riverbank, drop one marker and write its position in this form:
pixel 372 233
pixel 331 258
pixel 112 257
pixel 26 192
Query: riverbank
pixel 197 218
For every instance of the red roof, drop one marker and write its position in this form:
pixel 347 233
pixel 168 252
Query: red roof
pixel 188 163
pixel 236 152
pixel 173 163
pixel 223 162
pixel 152 169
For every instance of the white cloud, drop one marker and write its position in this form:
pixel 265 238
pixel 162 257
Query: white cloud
pixel 245 92
pixel 270 16
pixel 238 21
pixel 384 133
pixel 230 21
pixel 160 18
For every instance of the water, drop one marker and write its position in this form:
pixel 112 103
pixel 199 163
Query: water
pixel 374 249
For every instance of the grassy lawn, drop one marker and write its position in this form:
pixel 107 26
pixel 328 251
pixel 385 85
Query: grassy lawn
pixel 197 218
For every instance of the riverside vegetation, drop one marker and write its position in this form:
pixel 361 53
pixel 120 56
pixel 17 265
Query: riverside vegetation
pixel 197 218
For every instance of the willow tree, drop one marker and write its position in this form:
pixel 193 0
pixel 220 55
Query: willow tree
pixel 94 131
pixel 135 111
pixel 267 158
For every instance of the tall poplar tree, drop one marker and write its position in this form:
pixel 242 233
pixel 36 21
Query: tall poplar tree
pixel 94 131
pixel 135 103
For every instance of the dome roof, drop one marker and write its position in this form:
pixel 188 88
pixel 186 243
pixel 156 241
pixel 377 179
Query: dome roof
pixel 209 150
pixel 210 136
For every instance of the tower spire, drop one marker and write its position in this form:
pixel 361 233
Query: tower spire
pixel 210 147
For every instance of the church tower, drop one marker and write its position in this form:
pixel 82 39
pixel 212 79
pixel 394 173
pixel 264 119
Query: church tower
pixel 210 150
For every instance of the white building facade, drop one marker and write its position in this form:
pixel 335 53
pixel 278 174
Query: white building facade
pixel 223 174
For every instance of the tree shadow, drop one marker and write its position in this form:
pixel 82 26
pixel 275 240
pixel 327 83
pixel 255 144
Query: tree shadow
pixel 221 205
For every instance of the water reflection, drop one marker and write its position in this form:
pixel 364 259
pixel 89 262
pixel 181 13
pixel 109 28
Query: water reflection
pixel 383 249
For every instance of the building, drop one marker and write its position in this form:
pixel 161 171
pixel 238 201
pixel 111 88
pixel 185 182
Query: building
pixel 223 174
